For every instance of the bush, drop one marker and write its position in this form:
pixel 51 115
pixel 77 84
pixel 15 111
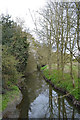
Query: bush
pixel 9 71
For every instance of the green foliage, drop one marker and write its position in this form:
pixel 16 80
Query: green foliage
pixel 15 39
pixel 20 50
pixel 7 31
pixel 43 68
pixel 0 103
pixel 9 71
pixel 66 83
pixel 10 96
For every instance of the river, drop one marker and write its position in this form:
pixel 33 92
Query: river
pixel 40 100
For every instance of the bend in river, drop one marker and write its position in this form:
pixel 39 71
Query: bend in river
pixel 40 100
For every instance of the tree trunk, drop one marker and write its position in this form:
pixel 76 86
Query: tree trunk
pixel 71 72
pixel 78 43
pixel 71 56
pixel 62 64
pixel 58 56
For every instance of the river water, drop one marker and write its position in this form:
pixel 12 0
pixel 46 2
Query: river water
pixel 40 100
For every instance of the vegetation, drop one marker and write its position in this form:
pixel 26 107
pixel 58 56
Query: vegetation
pixel 56 47
pixel 14 51
pixel 10 96
pixel 56 78
pixel 14 57
pixel 15 39
pixel 59 31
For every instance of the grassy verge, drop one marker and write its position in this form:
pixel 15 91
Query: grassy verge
pixel 66 83
pixel 9 97
pixel 0 103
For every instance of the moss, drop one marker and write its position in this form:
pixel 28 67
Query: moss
pixel 9 96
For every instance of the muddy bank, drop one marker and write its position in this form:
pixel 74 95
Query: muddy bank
pixel 75 102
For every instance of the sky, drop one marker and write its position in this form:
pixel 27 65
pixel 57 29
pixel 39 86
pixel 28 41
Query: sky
pixel 20 9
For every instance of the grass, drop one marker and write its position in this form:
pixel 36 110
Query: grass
pixel 66 83
pixel 43 68
pixel 0 103
pixel 9 97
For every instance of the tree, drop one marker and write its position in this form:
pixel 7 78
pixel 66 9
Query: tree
pixel 16 40
pixel 10 75
pixel 14 51
pixel 78 42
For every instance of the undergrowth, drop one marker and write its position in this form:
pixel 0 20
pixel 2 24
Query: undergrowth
pixel 66 83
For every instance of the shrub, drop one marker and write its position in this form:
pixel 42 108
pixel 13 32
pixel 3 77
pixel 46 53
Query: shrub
pixel 9 71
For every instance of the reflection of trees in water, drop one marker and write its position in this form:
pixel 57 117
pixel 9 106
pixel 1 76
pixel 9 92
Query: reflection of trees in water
pixel 64 110
pixel 34 84
pixel 53 108
pixel 59 108
pixel 73 114
pixel 30 91
pixel 24 105
pixel 50 102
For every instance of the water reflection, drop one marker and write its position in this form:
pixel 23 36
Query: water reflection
pixel 50 102
pixel 41 101
pixel 24 105
pixel 59 106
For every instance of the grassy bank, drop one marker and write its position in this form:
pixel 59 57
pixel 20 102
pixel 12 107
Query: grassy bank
pixel 9 96
pixel 66 83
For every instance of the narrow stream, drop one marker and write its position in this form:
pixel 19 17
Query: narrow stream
pixel 39 101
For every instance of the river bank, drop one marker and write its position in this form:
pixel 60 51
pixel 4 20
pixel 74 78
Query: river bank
pixel 38 101
pixel 62 86
pixel 10 99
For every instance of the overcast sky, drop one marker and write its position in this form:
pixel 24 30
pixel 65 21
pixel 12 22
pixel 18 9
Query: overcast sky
pixel 20 8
